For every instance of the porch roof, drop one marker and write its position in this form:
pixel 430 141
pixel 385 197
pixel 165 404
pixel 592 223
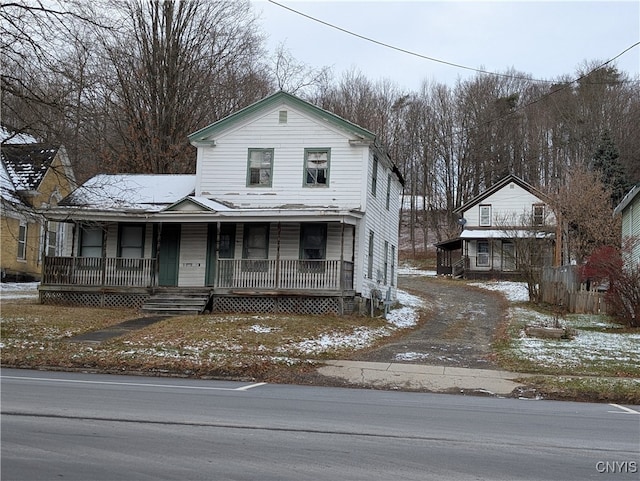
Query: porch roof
pixel 504 234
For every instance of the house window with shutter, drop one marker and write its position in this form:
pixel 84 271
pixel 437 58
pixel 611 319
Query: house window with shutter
pixel 388 191
pixel 316 167
pixel 485 215
pixel 260 168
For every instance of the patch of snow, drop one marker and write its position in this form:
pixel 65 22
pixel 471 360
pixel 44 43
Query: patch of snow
pixel 406 316
pixel 513 291
pixel 406 270
pixel 261 329
pixel 411 356
pixel 18 290
pixel 360 338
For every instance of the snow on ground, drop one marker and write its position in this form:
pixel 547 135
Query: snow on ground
pixel 407 270
pixel 18 290
pixel 513 291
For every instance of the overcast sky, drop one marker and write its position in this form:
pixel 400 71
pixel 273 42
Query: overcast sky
pixel 545 39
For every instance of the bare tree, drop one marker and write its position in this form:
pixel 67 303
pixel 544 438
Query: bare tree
pixel 583 204
pixel 178 66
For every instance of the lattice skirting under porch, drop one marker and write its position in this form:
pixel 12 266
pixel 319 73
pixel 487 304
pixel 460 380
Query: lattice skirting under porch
pixel 288 305
pixel 93 299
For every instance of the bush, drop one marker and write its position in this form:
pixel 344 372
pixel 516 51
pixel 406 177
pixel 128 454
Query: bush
pixel 606 264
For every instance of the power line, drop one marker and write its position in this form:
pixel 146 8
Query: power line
pixel 425 57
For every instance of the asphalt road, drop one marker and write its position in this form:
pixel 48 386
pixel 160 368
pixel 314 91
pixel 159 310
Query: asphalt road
pixel 74 426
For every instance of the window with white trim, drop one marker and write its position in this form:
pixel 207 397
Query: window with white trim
pixel 538 214
pixel 388 191
pixel 22 242
pixel 485 215
pixel 482 257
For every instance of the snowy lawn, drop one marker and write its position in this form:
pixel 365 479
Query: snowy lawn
pixel 220 344
pixel 595 346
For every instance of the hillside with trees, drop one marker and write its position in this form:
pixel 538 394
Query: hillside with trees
pixel 121 83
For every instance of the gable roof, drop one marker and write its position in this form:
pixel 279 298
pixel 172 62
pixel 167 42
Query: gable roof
pixel 499 185
pixel 27 164
pixel 627 199
pixel 280 98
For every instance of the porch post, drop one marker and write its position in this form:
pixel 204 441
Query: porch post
pixel 104 258
pixel 278 257
pixel 342 256
pixel 216 256
pixel 156 268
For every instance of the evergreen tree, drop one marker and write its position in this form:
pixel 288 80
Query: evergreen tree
pixel 606 161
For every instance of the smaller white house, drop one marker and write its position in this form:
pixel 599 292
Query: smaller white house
pixel 492 224
pixel 629 209
pixel 291 209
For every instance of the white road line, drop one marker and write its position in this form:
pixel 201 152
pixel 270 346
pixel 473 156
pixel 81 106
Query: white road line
pixel 250 386
pixel 626 409
pixel 136 384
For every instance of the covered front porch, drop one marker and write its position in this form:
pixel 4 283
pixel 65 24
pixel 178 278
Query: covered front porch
pixel 238 266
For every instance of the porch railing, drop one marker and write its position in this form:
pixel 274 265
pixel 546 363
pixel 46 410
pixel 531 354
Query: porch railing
pixel 285 274
pixel 331 275
pixel 97 271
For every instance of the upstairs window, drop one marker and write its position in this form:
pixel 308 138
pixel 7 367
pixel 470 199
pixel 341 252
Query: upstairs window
pixel 538 214
pixel 260 168
pixel 388 191
pixel 316 163
pixel 485 215
pixel 374 177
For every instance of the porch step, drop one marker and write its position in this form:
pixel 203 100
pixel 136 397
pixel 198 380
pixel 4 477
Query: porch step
pixel 177 302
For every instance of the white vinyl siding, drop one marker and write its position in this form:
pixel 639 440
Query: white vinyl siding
pixel 221 170
pixel 508 207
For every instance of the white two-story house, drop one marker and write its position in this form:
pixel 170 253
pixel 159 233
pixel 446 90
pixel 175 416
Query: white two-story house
pixel 492 225
pixel 291 209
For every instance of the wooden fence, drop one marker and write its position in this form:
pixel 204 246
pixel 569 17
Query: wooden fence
pixel 561 286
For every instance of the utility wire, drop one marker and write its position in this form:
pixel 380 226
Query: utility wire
pixel 432 59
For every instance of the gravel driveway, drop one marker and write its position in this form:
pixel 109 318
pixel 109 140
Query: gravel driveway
pixel 460 326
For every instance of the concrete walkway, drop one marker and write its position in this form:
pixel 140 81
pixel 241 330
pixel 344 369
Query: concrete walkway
pixel 386 375
pixel 96 337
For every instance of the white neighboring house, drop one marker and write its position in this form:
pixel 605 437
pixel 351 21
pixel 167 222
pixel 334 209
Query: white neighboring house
pixel 629 209
pixel 491 224
pixel 291 209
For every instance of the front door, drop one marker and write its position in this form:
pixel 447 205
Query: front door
pixel 226 244
pixel 169 255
